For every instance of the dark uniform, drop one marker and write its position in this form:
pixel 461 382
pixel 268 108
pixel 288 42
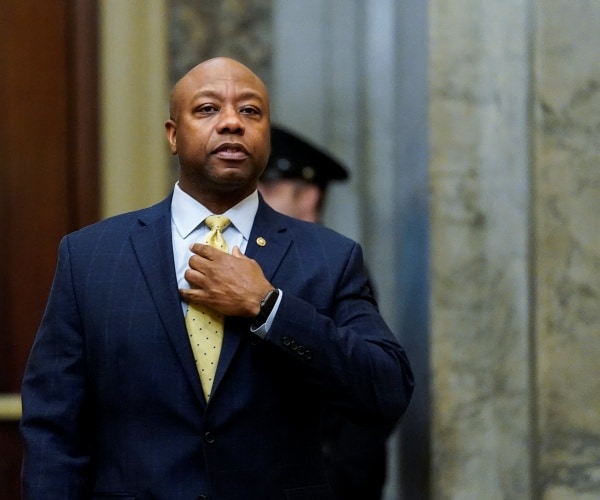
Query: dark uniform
pixel 355 456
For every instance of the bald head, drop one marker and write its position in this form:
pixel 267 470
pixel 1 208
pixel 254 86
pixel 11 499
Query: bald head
pixel 216 69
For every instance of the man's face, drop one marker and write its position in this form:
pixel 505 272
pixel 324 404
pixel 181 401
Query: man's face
pixel 219 128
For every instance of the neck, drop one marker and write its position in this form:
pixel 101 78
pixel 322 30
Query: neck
pixel 217 202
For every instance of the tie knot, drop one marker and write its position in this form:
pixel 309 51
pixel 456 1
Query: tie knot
pixel 217 222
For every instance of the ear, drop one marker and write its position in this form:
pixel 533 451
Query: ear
pixel 171 132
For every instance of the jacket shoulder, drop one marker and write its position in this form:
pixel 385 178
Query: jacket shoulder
pixel 303 230
pixel 126 221
pixel 310 231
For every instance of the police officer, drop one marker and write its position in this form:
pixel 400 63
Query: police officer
pixel 297 175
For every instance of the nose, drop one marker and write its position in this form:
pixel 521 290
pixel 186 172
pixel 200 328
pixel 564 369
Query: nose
pixel 230 121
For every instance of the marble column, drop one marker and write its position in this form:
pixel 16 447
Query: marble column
pixel 233 28
pixel 479 78
pixel 515 311
pixel 134 100
pixel 566 247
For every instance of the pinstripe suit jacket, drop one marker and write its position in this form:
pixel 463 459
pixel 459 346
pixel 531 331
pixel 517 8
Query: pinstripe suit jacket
pixel 112 403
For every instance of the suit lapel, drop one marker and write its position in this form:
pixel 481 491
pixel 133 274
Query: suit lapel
pixel 152 243
pixel 269 240
pixel 268 244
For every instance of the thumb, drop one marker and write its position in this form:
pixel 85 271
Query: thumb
pixel 236 252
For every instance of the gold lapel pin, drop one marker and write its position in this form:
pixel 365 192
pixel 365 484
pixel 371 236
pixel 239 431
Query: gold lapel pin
pixel 260 241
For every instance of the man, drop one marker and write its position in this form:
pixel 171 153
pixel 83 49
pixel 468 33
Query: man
pixel 114 396
pixel 295 183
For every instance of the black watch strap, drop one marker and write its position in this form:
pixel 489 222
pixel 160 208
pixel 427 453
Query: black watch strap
pixel 266 306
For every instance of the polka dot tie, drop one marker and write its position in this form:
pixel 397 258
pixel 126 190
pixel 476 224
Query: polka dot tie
pixel 204 325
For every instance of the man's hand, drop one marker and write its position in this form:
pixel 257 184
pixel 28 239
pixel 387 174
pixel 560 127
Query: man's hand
pixel 233 285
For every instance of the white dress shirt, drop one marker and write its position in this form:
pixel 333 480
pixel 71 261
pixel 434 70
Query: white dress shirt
pixel 187 227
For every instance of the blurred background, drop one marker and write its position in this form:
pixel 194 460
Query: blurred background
pixel 471 129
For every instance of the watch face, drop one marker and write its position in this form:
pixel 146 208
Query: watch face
pixel 266 306
pixel 268 298
pixel 268 303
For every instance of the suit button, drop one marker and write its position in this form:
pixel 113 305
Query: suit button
pixel 209 437
pixel 286 341
pixel 293 345
pixel 301 350
pixel 308 354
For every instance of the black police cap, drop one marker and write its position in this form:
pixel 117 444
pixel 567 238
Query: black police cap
pixel 292 157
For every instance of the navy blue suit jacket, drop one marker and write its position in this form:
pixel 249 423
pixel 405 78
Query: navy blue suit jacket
pixel 112 402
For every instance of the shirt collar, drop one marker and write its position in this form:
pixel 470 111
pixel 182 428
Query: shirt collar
pixel 188 214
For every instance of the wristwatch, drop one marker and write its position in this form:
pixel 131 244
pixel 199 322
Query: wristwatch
pixel 266 306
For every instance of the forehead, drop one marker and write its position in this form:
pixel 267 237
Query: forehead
pixel 222 80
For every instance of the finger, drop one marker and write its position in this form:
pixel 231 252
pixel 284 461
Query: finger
pixel 198 263
pixel 189 296
pixel 195 278
pixel 202 250
pixel 236 252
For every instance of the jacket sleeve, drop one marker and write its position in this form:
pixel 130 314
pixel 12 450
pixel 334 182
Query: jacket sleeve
pixel 54 416
pixel 336 330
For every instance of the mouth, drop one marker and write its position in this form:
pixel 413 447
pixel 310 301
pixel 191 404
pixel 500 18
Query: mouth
pixel 231 151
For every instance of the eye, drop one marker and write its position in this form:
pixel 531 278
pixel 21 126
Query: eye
pixel 206 108
pixel 250 110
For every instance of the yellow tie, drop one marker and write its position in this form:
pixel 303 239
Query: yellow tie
pixel 204 325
